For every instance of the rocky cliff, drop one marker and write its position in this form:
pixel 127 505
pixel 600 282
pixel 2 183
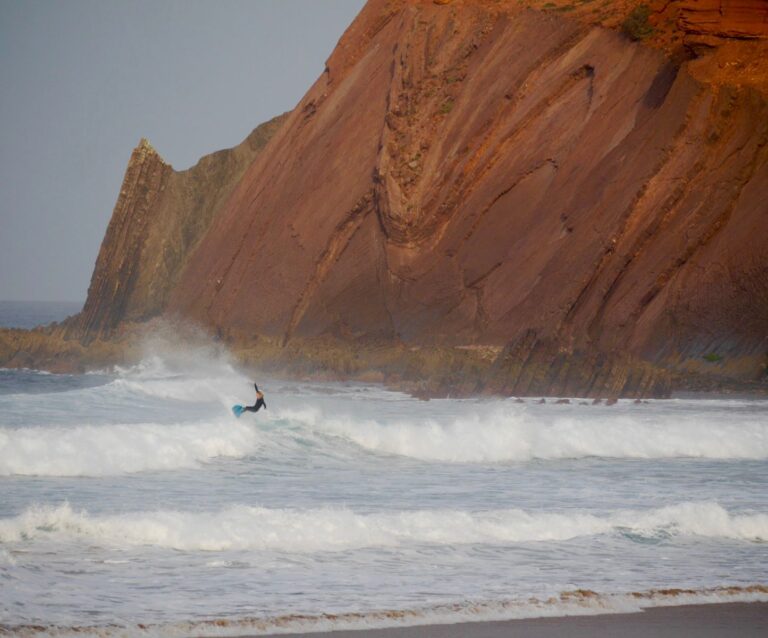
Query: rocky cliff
pixel 559 198
pixel 159 218
pixel 474 175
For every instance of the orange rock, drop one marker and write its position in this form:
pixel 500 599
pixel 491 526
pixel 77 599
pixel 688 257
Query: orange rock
pixel 725 18
pixel 585 208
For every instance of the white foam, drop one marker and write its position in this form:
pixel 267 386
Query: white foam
pixel 243 527
pixel 7 559
pixel 197 376
pixel 575 603
pixel 89 450
pixel 517 434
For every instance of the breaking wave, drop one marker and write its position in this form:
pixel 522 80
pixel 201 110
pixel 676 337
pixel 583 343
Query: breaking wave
pixel 90 450
pixel 516 434
pixel 243 527
pixel 499 436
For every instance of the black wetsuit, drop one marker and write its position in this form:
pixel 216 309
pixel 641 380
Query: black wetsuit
pixel 260 403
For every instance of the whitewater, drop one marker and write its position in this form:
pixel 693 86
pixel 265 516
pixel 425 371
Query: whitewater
pixel 134 503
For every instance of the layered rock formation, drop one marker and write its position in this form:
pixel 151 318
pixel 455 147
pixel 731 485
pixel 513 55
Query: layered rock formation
pixel 726 18
pixel 159 218
pixel 498 198
pixel 498 175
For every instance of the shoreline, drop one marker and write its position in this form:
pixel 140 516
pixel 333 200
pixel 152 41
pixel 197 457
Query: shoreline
pixel 426 371
pixel 709 620
pixel 740 394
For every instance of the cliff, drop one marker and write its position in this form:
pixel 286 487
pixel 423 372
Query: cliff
pixel 159 218
pixel 503 178
pixel 566 198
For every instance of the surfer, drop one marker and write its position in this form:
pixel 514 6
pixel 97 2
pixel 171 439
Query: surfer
pixel 259 402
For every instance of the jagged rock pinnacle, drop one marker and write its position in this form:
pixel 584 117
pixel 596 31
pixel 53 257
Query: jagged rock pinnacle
pixel 145 148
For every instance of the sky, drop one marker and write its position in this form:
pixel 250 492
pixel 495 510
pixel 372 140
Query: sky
pixel 82 81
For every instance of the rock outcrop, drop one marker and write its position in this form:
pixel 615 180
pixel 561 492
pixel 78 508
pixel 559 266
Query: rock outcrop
pixel 159 218
pixel 497 198
pixel 725 18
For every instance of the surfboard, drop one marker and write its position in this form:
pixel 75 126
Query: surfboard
pixel 237 410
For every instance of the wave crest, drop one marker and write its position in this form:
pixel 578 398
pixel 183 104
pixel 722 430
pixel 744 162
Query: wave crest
pixel 119 449
pixel 516 434
pixel 242 527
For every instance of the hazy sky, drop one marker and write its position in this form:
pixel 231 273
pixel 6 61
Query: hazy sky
pixel 82 81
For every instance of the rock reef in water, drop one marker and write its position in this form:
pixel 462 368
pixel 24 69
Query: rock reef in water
pixel 478 197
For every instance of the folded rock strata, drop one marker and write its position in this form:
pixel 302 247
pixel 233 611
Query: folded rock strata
pixel 475 178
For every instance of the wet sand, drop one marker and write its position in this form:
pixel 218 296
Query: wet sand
pixel 731 620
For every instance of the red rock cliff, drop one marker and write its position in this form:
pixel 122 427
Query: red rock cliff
pixel 586 212
pixel 160 216
pixel 474 174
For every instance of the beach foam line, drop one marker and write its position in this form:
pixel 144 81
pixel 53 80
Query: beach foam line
pixel 515 433
pixel 89 450
pixel 570 603
pixel 242 527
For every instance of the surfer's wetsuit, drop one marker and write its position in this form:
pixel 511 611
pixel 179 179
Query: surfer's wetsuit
pixel 259 402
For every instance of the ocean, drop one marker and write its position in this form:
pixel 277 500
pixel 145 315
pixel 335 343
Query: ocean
pixel 28 314
pixel 133 503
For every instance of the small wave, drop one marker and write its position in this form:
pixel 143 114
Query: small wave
pixel 516 434
pixel 243 527
pixel 120 449
pixel 569 603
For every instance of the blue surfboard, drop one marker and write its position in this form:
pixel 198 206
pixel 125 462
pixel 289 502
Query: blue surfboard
pixel 237 410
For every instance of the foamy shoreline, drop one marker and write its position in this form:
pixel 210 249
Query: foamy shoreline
pixel 737 619
pixel 662 613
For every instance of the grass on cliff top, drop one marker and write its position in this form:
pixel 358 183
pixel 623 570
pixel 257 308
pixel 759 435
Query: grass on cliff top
pixel 636 24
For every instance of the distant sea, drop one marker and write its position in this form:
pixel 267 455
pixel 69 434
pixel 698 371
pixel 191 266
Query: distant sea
pixel 28 314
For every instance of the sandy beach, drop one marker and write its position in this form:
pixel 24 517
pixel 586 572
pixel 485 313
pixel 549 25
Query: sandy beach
pixel 730 620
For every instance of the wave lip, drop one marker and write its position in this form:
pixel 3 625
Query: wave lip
pixel 242 527
pixel 514 435
pixel 88 450
pixel 569 603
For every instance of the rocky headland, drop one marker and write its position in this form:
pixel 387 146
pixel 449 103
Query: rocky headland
pixel 524 198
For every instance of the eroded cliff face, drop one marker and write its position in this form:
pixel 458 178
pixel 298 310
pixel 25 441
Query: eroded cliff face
pixel 498 198
pixel 471 174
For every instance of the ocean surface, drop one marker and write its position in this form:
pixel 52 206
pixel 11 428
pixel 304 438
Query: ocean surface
pixel 29 314
pixel 133 503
